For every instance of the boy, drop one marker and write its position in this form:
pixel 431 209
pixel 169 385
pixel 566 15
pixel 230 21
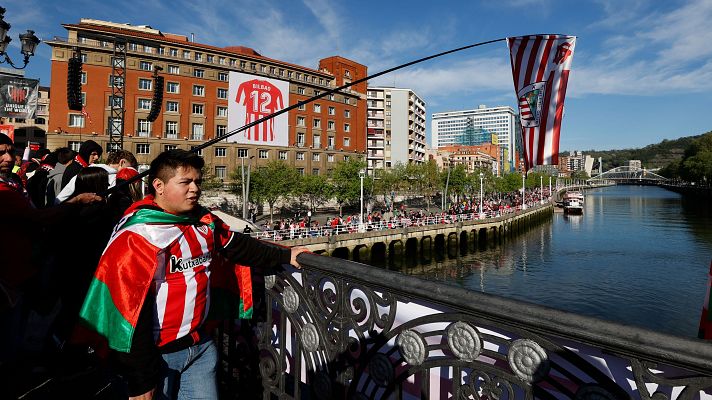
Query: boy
pixel 151 290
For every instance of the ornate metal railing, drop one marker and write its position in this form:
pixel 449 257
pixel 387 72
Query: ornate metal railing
pixel 343 330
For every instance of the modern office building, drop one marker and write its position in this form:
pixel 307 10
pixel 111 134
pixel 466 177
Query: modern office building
pixel 474 127
pixel 395 127
pixel 208 92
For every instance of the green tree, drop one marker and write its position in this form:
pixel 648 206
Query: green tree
pixel 697 163
pixel 210 180
pixel 272 182
pixel 314 190
pixel 386 183
pixel 578 175
pixel 509 182
pixel 346 182
pixel 429 181
pixel 458 181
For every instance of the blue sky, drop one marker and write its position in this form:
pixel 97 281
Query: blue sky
pixel 642 71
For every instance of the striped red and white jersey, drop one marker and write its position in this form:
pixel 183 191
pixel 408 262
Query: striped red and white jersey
pixel 181 282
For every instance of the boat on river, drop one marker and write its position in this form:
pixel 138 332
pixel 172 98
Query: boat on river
pixel 573 203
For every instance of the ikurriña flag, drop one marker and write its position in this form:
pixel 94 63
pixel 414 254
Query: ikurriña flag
pixel 540 68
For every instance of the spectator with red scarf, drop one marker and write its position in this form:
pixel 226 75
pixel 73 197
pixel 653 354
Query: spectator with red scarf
pixel 89 153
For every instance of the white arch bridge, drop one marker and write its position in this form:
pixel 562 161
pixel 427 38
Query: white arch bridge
pixel 629 175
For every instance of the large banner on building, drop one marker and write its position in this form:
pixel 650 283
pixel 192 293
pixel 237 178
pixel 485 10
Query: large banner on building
pixel 252 98
pixel 18 97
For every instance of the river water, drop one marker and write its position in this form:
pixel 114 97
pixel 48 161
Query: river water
pixel 638 255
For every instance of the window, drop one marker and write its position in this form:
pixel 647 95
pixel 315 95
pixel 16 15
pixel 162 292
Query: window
pixel 145 65
pixel 161 50
pixel 317 141
pixel 281 72
pixel 210 59
pixel 171 130
pixel 222 76
pixel 347 142
pixel 243 64
pixel 118 62
pixel 317 108
pixel 272 70
pixel 300 139
pixel 174 69
pixel 198 56
pixel 199 152
pixel 198 73
pixel 330 158
pixel 220 171
pixel 75 145
pixel 346 100
pixel 186 54
pixel 198 109
pixel 347 128
pixel 169 147
pixel 330 142
pixel 290 74
pixel 301 121
pixel 143 148
pixel 347 113
pixel 316 156
pixel 347 158
pixel 317 123
pixel 331 96
pixel 116 101
pixel 221 152
pixel 331 125
pixel 241 153
pixel 76 120
pixel 143 128
pixel 220 130
pixel 198 90
pixel 148 49
pixel 222 111
pixel 300 156
pixel 233 62
pixel 315 171
pixel 300 171
pixel 222 93
pixel 145 84
pixel 84 58
pixel 302 107
pixel 317 92
pixel 221 60
pixel 117 81
pixel 144 104
pixel 264 154
pixel 84 99
pixel 133 46
pixel 253 66
pixel 173 52
pixel 332 111
pixel 84 78
pixel 300 90
pixel 172 87
pixel 172 106
pixel 282 155
pixel 196 133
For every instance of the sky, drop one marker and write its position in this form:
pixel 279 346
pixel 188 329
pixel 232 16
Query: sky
pixel 641 73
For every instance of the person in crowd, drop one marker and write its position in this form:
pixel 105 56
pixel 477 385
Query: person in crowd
pixel 115 162
pixel 150 293
pixel 64 156
pixel 37 183
pixel 128 190
pixel 89 153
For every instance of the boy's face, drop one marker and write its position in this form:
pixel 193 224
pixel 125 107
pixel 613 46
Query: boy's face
pixel 180 194
pixel 7 158
pixel 93 157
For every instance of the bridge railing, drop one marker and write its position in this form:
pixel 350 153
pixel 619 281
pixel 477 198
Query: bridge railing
pixel 343 330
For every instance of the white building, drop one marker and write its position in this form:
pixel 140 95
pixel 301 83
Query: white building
pixel 455 127
pixel 395 127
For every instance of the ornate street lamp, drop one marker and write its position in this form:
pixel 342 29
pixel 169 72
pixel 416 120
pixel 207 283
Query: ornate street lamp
pixel 481 192
pixel 361 175
pixel 28 42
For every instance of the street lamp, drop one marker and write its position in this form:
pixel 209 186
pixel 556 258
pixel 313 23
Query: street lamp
pixel 482 176
pixel 28 42
pixel 361 175
pixel 524 188
pixel 541 189
pixel 549 187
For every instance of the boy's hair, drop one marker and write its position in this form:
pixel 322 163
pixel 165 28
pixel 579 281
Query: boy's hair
pixel 116 156
pixel 165 165
pixel 64 155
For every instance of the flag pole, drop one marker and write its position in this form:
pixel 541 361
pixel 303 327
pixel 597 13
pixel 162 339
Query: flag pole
pixel 307 101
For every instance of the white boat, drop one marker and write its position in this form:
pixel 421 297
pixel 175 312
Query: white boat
pixel 573 203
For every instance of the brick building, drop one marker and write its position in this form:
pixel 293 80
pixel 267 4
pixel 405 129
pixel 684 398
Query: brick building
pixel 197 96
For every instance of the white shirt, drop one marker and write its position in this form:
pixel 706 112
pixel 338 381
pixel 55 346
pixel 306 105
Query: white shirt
pixel 68 190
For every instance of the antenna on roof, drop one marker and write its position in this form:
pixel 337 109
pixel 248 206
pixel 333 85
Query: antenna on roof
pixel 192 37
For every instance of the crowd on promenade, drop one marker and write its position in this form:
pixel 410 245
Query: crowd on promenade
pixel 466 209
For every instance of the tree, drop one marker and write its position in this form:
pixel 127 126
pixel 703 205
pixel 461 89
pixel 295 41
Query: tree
pixel 273 182
pixel 697 162
pixel 346 182
pixel 458 180
pixel 210 180
pixel 314 190
pixel 429 181
pixel 579 175
pixel 386 183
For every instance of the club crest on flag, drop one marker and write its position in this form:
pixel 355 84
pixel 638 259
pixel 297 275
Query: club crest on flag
pixel 530 102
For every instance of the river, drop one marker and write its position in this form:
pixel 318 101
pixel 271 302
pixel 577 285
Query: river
pixel 639 255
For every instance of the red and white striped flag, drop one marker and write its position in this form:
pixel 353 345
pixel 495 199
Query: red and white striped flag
pixel 540 67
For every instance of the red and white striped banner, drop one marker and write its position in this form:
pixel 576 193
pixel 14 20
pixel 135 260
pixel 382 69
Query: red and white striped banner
pixel 540 67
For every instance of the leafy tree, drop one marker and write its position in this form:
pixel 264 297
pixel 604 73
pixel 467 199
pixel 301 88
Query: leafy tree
pixel 314 190
pixel 510 182
pixel 429 181
pixel 458 180
pixel 386 183
pixel 697 162
pixel 210 180
pixel 346 182
pixel 273 182
pixel 579 175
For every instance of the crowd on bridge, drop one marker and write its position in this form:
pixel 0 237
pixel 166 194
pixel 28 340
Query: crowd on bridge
pixel 464 209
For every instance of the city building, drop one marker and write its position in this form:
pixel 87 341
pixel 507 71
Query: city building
pixel 396 127
pixel 575 161
pixel 484 156
pixel 472 127
pixel 208 92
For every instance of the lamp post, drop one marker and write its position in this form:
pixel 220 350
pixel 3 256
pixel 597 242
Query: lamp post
pixel 361 175
pixel 28 42
pixel 524 189
pixel 541 189
pixel 482 176
pixel 550 187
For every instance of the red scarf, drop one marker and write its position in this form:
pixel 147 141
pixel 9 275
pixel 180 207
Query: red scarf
pixel 81 161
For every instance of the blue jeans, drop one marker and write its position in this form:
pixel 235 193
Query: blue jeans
pixel 190 373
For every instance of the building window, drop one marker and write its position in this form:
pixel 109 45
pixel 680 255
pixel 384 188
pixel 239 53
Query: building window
pixel 172 87
pixel 331 125
pixel 220 130
pixel 117 81
pixel 332 111
pixel 198 90
pixel 173 52
pixel 133 46
pixel 144 128
pixel 347 113
pixel 347 158
pixel 172 106
pixel 161 50
pixel 84 99
pixel 316 156
pixel 317 123
pixel 221 60
pixel 241 153
pixel 317 92
pixel 300 90
pixel 301 121
pixel 76 120
pixel 300 156
pixel 171 130
pixel 116 101
pixel 317 107
pixel 148 49
pixel 347 128
pixel 282 155
pixel 302 107
pixel 347 142
pixel 198 56
pixel 331 96
pixel 222 93
pixel 84 78
pixel 317 141
pixel 330 142
pixel 174 69
pixel 222 111
pixel 84 58
pixel 144 104
pixel 243 64
pixel 210 59
pixel 220 171
pixel 198 109
pixel 196 132
pixel 281 72
pixel 198 73
pixel 264 154
pixel 315 171
pixel 300 139
pixel 199 152
pixel 145 65
pixel 186 54
pixel 233 62
pixel 300 171
pixel 330 158
pixel 169 147
pixel 221 152
pixel 272 70
pixel 74 145
pixel 143 148
pixel 222 76
pixel 346 100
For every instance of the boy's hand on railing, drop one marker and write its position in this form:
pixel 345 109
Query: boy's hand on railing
pixel 297 250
